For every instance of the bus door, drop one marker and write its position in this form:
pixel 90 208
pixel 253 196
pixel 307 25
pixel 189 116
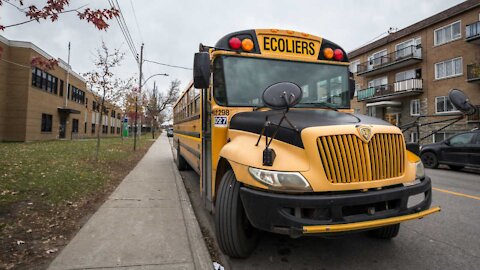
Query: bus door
pixel 206 172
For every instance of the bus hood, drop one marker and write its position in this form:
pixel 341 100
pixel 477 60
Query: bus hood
pixel 301 118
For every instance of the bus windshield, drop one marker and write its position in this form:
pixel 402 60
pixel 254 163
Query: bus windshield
pixel 240 81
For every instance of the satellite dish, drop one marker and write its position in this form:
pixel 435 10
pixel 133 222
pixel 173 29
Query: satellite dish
pixel 282 95
pixel 461 101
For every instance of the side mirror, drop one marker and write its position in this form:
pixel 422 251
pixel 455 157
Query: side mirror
pixel 351 85
pixel 447 142
pixel 461 102
pixel 201 70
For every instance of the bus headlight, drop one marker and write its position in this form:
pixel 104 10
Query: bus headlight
pixel 419 170
pixel 287 181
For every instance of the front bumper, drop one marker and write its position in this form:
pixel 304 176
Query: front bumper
pixel 331 212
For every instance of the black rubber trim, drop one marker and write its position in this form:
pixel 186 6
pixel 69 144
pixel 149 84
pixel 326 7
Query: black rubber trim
pixel 191 150
pixel 188 133
pixel 267 210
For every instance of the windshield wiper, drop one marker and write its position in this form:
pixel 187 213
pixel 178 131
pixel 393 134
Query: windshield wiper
pixel 321 105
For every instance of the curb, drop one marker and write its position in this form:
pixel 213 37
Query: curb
pixel 198 248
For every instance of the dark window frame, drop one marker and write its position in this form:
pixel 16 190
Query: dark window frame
pixel 46 124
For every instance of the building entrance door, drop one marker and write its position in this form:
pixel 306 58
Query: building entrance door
pixel 63 126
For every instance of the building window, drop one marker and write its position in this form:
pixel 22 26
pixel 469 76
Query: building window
pixel 449 68
pixel 93 128
pixel 44 80
pixel 371 111
pixel 357 87
pixel 408 48
pixel 447 33
pixel 85 128
pixel 415 107
pixel 413 137
pixel 442 136
pixel 104 129
pixel 74 125
pixel 46 122
pixel 444 105
pixel 61 88
pixel 405 75
pixel 378 58
pixel 77 95
pixel 354 66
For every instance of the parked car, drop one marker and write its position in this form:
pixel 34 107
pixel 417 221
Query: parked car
pixel 170 132
pixel 457 151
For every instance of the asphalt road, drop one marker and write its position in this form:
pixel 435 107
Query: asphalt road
pixel 447 240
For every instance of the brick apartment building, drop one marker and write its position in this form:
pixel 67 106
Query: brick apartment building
pixel 410 72
pixel 38 104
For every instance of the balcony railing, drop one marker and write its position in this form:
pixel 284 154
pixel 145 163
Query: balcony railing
pixel 392 60
pixel 472 31
pixel 473 73
pixel 388 91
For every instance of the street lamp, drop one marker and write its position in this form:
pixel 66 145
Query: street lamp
pixel 136 105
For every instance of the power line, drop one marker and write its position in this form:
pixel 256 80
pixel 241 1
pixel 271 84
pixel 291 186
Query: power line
pixel 125 24
pixel 136 20
pixel 168 65
pixel 125 31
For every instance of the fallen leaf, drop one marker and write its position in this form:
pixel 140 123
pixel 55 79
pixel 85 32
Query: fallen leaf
pixel 53 250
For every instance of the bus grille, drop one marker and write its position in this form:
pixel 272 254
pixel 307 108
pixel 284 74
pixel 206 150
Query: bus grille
pixel 348 159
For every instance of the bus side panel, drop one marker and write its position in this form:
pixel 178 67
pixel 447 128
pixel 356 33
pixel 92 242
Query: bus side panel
pixel 220 134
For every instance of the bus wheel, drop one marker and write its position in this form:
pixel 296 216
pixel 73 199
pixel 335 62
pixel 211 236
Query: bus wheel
pixel 235 235
pixel 181 162
pixel 387 232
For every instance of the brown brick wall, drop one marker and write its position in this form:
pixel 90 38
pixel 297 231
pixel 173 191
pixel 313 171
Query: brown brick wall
pixel 22 104
pixel 431 54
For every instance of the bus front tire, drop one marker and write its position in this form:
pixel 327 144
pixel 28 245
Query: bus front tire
pixel 235 235
pixel 387 232
pixel 181 162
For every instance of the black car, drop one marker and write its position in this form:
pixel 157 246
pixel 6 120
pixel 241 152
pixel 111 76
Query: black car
pixel 170 132
pixel 457 151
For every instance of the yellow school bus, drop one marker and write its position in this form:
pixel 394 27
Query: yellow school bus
pixel 311 167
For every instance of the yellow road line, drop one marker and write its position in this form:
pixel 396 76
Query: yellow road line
pixel 457 193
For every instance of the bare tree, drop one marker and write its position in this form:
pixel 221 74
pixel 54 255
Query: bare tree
pixel 108 89
pixel 157 104
pixel 152 110
pixel 169 98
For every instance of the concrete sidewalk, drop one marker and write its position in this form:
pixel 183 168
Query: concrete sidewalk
pixel 146 223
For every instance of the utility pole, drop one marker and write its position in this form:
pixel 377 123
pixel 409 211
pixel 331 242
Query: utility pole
pixel 136 99
pixel 68 77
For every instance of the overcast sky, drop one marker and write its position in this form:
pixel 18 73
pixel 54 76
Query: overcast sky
pixel 172 30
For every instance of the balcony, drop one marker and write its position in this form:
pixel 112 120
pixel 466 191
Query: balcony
pixel 404 57
pixel 472 33
pixel 399 89
pixel 473 73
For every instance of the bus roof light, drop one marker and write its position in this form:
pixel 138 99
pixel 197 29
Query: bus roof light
pixel 235 43
pixel 338 55
pixel 247 44
pixel 328 53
